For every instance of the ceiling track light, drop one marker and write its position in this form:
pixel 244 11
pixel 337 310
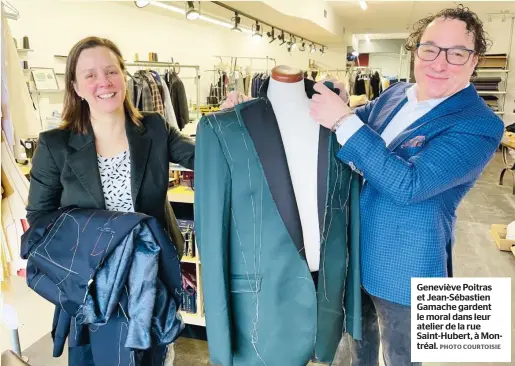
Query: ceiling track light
pixel 302 47
pixel 312 48
pixel 281 38
pixel 363 4
pixel 237 21
pixel 293 42
pixel 142 3
pixel 191 12
pixel 271 34
pixel 256 30
pixel 322 50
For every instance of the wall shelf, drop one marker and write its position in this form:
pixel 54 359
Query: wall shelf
pixel 491 71
pixel 25 50
pixel 484 92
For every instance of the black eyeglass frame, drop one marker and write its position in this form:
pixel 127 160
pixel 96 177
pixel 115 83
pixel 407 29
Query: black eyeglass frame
pixel 440 49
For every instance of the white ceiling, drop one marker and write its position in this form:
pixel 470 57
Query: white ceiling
pixel 390 16
pixel 384 19
pixel 301 27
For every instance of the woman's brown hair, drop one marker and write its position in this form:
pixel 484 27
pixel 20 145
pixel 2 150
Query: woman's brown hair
pixel 76 114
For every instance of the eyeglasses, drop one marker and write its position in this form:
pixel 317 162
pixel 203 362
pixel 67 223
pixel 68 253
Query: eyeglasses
pixel 454 56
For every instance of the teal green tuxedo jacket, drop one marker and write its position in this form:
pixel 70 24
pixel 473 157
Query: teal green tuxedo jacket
pixel 260 300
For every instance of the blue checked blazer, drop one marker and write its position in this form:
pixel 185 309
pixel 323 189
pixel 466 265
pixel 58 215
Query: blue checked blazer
pixel 413 186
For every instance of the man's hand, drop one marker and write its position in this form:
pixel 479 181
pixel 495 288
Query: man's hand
pixel 234 98
pixel 343 92
pixel 327 108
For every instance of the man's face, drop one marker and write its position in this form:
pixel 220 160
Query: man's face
pixel 439 78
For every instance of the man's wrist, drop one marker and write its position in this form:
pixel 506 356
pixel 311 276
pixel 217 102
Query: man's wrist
pixel 340 121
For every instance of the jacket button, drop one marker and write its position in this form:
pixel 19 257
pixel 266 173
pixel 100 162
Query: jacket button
pixel 352 166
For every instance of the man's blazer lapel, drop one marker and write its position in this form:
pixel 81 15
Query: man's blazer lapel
pixel 83 162
pixel 451 105
pixel 261 123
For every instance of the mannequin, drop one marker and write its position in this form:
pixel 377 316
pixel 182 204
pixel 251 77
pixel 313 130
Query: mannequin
pixel 276 223
pixel 300 137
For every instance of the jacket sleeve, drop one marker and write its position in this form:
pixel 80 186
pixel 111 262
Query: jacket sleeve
pixel 181 149
pixel 449 160
pixel 212 225
pixel 183 115
pixel 45 183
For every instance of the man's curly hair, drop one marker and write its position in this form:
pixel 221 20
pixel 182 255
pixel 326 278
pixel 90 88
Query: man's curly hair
pixel 473 23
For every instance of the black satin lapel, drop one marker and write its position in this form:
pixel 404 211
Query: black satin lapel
pixel 261 124
pixel 84 164
pixel 322 172
pixel 139 146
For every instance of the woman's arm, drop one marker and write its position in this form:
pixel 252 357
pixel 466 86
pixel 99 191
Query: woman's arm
pixel 181 149
pixel 45 184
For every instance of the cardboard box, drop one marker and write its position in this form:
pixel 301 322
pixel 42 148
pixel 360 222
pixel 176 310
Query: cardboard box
pixel 499 235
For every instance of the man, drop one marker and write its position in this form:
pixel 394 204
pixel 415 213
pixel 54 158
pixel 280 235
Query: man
pixel 420 148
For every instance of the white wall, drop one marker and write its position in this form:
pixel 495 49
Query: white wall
pixel 54 26
pixel 380 46
pixel 389 63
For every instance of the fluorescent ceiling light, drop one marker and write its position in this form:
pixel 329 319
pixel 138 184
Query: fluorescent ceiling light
pixel 169 7
pixel 363 4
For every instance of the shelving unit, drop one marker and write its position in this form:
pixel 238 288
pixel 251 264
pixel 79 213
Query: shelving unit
pixel 492 66
pixel 497 65
pixel 183 195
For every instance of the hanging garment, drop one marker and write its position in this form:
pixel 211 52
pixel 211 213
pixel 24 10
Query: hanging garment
pixel 375 84
pixel 167 100
pixel 157 100
pixel 141 93
pixel 117 291
pixel 359 86
pixel 179 98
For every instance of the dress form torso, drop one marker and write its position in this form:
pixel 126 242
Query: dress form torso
pixel 300 137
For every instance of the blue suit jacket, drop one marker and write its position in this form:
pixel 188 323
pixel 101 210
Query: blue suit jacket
pixel 414 185
pixel 115 280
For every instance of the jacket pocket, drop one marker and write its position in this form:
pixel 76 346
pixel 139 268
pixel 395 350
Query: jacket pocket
pixel 246 283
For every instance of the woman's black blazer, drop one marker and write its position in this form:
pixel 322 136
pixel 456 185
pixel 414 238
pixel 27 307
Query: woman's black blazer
pixel 65 171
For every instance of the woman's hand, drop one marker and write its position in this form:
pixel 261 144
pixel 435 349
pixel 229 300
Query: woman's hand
pixel 327 108
pixel 234 98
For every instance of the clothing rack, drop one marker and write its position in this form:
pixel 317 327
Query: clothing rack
pixel 10 10
pixel 235 58
pixel 174 65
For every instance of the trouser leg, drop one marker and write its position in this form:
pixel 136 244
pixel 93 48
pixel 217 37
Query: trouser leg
pixel 395 330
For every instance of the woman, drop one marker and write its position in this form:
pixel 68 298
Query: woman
pixel 106 155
